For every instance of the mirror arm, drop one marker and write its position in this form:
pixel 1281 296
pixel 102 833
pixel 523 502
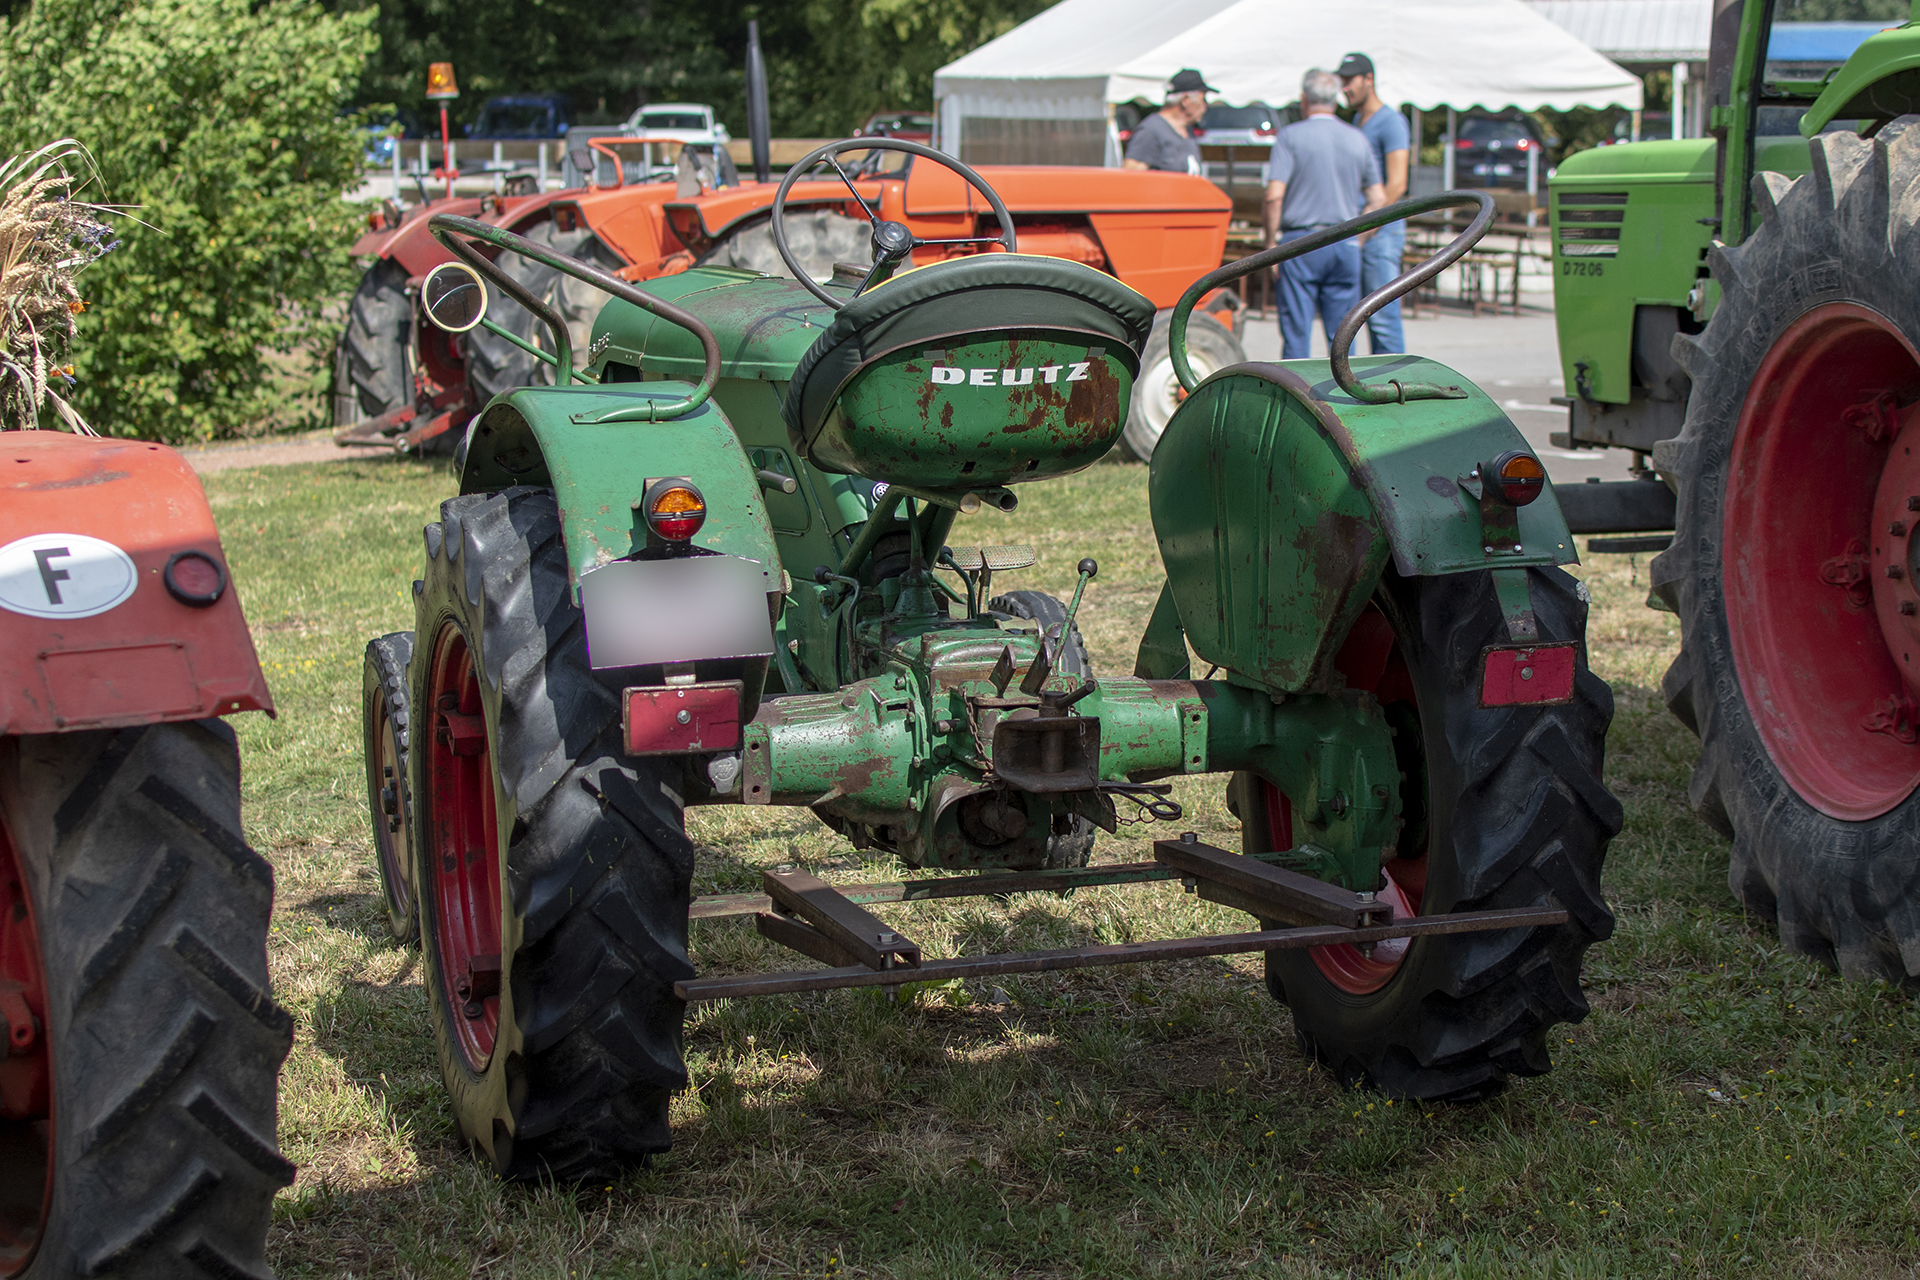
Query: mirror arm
pixel 445 225
pixel 546 357
pixel 441 229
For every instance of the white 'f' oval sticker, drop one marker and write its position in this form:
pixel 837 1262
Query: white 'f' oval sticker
pixel 64 575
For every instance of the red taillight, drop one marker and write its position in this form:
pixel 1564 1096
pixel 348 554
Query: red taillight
pixel 194 578
pixel 1462 145
pixel 674 509
pixel 1517 477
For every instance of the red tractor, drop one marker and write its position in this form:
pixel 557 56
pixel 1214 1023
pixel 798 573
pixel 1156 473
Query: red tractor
pixel 397 377
pixel 139 1043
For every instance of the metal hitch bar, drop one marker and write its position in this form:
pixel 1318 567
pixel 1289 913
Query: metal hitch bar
pixel 816 919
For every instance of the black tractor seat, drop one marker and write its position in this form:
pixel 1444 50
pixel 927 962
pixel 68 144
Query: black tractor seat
pixel 979 295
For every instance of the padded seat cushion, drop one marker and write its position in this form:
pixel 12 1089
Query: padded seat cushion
pixel 980 293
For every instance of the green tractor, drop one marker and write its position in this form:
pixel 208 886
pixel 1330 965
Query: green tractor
pixel 719 566
pixel 1743 311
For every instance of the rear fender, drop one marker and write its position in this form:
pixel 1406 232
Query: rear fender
pixel 411 244
pixel 95 636
pixel 597 472
pixel 1279 501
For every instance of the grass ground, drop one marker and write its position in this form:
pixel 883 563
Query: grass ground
pixel 1727 1109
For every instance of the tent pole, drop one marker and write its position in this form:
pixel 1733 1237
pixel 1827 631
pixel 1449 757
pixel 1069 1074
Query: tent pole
pixel 1678 95
pixel 1446 156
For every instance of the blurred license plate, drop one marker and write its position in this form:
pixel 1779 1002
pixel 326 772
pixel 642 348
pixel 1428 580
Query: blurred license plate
pixel 640 612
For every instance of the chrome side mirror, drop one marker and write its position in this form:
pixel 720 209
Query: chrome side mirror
pixel 454 297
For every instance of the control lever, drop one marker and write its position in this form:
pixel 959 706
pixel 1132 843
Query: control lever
pixel 1051 645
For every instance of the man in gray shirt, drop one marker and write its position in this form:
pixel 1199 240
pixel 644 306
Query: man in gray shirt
pixel 1164 140
pixel 1320 169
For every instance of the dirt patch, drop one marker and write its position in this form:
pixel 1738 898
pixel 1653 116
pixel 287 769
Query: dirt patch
pixel 311 446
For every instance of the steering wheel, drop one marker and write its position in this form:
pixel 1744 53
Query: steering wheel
pixel 892 242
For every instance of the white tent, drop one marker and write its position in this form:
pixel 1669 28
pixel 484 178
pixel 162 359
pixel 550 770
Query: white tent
pixel 1057 75
pixel 1044 84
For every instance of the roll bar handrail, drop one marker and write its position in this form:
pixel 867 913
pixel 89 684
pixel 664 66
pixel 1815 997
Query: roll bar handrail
pixel 1341 343
pixel 445 227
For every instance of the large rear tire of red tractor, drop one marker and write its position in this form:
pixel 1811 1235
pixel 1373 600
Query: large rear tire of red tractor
pixel 554 873
pixel 1793 565
pixel 1504 807
pixel 371 372
pixel 1157 392
pixel 495 365
pixel 386 724
pixel 137 1106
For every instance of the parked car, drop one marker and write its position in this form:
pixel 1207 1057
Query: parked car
pixel 523 115
pixel 1248 126
pixel 678 122
pixel 1491 151
pixel 914 126
pixel 384 133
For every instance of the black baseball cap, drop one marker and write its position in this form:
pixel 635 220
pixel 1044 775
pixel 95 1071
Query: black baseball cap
pixel 1187 80
pixel 1355 64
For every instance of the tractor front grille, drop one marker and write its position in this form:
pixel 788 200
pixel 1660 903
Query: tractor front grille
pixel 1589 222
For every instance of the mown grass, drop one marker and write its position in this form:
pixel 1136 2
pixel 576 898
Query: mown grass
pixel 1727 1109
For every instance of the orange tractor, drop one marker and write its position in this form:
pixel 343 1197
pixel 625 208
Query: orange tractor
pixel 399 378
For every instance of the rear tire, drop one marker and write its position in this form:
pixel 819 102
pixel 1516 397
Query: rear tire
pixel 1076 848
pixel 1781 668
pixel 384 722
pixel 494 365
pixel 1157 392
pixel 567 1071
pixel 1514 815
pixel 122 865
pixel 371 371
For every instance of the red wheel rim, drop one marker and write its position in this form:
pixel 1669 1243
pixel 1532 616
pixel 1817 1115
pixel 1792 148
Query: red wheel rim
pixel 462 849
pixel 26 1074
pixel 1370 659
pixel 1818 562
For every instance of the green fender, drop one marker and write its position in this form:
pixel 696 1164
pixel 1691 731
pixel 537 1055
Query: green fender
pixel 1278 500
pixel 534 436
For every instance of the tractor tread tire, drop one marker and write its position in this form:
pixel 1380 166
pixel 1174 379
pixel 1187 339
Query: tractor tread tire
pixel 1076 849
pixel 496 366
pixel 597 869
pixel 1520 791
pixel 152 915
pixel 1846 893
pixel 385 682
pixel 370 362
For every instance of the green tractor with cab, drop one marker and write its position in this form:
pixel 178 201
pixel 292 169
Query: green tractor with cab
pixel 721 566
pixel 1743 312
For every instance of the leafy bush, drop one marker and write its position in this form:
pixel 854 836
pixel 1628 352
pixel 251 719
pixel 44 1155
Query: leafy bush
pixel 216 125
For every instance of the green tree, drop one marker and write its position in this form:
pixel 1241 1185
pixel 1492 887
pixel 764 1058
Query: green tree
pixel 217 127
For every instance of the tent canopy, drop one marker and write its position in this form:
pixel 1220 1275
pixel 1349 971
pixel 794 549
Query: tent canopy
pixel 1069 63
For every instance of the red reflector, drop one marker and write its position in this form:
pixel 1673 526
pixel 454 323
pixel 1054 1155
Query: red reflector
pixel 669 720
pixel 1523 677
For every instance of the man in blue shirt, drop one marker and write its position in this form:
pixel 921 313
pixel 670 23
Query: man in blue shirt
pixel 1380 255
pixel 1321 168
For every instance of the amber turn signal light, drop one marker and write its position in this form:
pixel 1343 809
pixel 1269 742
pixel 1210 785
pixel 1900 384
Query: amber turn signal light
pixel 674 508
pixel 1516 477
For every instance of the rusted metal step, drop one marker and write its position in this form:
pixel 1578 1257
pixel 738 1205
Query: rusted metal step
pixel 765 984
pixel 1269 892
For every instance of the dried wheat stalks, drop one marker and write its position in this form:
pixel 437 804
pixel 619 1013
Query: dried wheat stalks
pixel 46 237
